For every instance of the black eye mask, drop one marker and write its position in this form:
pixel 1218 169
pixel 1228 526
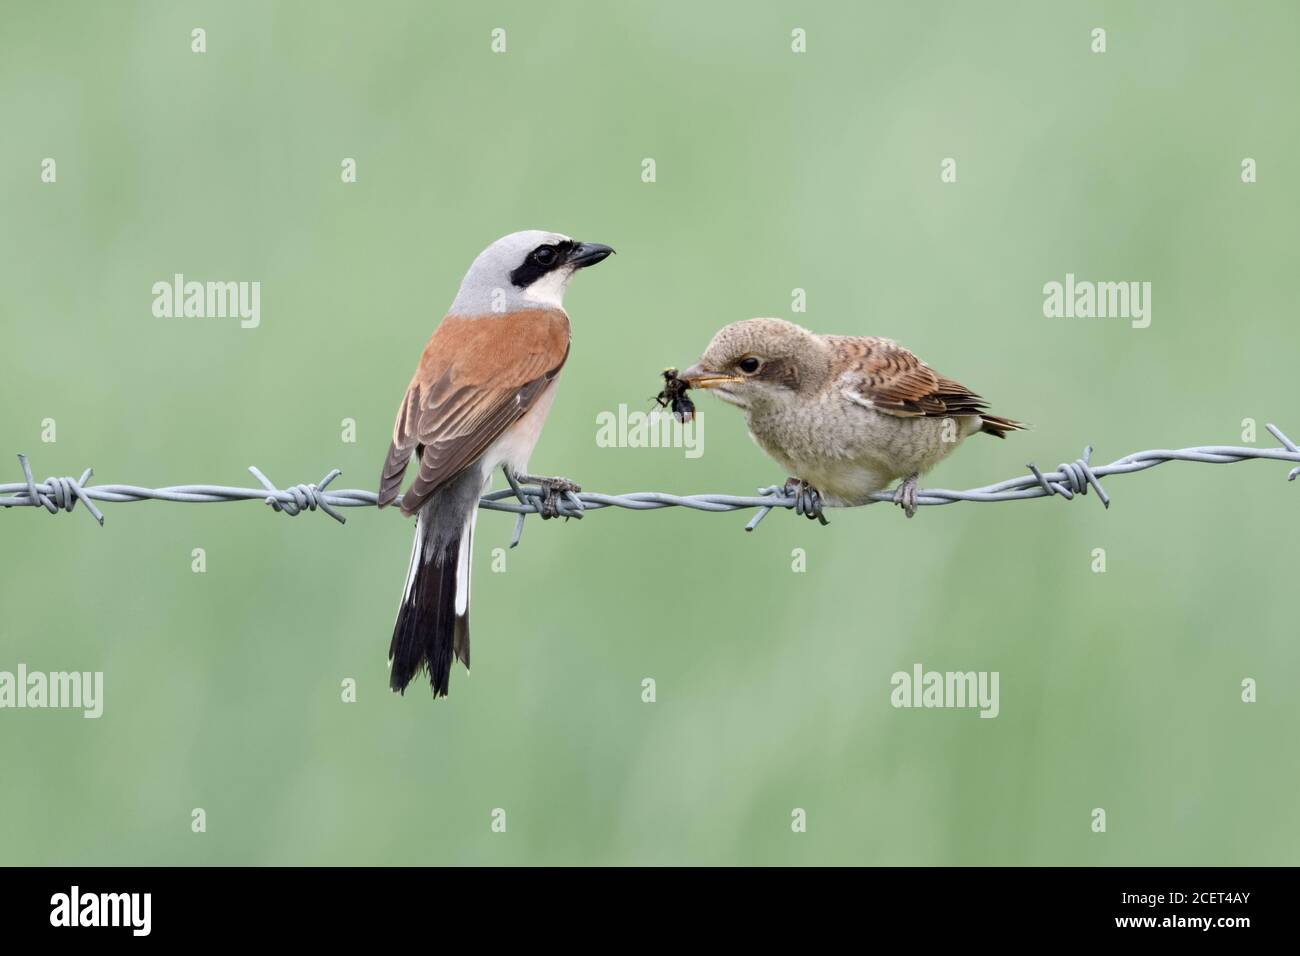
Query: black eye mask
pixel 531 270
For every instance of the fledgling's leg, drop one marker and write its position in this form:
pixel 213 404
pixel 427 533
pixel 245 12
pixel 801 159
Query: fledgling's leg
pixel 554 490
pixel 807 499
pixel 905 496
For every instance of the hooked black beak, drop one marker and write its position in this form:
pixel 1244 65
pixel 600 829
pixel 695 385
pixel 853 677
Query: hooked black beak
pixel 588 254
pixel 697 376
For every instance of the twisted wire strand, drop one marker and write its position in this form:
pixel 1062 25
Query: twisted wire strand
pixel 1070 479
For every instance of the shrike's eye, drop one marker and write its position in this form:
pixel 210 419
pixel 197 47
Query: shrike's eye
pixel 749 365
pixel 544 256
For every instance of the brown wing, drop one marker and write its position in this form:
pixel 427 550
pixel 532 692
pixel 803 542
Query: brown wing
pixel 477 377
pixel 887 377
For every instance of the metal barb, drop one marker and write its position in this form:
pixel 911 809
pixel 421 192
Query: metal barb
pixel 1277 433
pixel 65 492
pixel 1070 479
pixel 298 498
pixel 532 503
pixel 779 500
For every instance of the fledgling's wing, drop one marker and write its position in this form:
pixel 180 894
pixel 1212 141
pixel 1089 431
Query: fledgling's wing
pixel 478 376
pixel 884 376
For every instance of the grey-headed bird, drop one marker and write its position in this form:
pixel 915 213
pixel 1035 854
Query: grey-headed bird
pixel 844 415
pixel 477 402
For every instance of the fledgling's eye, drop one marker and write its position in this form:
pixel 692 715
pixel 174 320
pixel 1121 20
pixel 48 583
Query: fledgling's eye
pixel 749 365
pixel 544 255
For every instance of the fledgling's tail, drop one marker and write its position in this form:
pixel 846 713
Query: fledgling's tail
pixel 432 627
pixel 998 426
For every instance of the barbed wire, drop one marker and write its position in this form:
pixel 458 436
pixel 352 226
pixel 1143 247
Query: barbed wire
pixel 1068 480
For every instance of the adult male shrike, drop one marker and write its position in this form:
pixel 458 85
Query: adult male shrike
pixel 477 402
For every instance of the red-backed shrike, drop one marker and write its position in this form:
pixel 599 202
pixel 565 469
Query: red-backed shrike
pixel 845 415
pixel 477 402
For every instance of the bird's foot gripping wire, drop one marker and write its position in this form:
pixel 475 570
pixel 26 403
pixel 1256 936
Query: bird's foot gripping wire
pixel 905 496
pixel 558 498
pixel 807 499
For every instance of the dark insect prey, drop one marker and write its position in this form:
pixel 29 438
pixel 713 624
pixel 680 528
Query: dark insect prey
pixel 674 397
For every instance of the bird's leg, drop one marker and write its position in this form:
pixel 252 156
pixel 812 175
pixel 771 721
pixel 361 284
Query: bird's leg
pixel 905 496
pixel 807 499
pixel 559 495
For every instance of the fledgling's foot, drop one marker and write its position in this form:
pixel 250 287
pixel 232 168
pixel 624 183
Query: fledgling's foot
pixel 807 499
pixel 905 496
pixel 555 491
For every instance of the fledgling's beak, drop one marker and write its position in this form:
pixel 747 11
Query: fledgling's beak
pixel 588 254
pixel 698 376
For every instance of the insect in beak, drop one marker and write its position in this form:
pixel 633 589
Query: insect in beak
pixel 674 397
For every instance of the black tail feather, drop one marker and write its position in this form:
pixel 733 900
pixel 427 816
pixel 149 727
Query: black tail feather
pixel 997 426
pixel 428 634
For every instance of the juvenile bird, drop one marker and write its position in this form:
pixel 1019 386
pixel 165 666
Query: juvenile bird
pixel 844 415
pixel 477 402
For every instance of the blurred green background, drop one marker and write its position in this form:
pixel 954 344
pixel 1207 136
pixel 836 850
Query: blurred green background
pixel 775 171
